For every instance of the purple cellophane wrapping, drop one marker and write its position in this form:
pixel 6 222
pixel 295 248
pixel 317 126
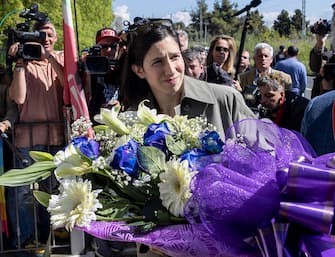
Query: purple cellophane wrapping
pixel 177 240
pixel 235 195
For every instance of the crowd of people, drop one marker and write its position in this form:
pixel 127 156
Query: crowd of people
pixel 157 63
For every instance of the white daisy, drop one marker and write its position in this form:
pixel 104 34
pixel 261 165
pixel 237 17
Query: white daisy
pixel 75 205
pixel 174 187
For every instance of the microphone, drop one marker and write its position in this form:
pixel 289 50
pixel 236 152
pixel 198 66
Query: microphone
pixel 254 3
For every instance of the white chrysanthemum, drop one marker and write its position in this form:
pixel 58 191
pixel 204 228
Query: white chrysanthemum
pixel 174 187
pixel 75 205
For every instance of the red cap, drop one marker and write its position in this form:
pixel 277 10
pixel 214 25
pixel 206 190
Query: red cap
pixel 106 33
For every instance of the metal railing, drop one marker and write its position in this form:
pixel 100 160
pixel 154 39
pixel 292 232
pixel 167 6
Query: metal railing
pixel 58 239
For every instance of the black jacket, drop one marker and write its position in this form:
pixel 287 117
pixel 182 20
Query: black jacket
pixel 293 112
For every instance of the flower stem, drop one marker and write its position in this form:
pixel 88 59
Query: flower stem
pixel 126 219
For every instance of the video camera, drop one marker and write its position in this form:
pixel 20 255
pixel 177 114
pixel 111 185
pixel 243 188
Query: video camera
pixel 251 95
pixel 96 64
pixel 321 27
pixel 22 34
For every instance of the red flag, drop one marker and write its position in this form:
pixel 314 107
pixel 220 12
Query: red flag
pixel 73 90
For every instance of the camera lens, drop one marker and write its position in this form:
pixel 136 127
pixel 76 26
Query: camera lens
pixel 31 52
pixel 96 64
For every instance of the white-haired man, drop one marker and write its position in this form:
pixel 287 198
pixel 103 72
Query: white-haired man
pixel 263 57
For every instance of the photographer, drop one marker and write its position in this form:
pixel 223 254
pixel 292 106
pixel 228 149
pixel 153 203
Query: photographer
pixel 103 84
pixel 37 88
pixel 318 55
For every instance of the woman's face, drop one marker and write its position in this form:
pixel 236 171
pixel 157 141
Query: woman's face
pixel 221 51
pixel 163 68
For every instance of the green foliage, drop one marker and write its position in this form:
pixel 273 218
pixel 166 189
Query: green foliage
pixel 256 24
pixel 42 197
pixel 151 159
pixel 283 24
pixel 296 20
pixel 221 21
pixel 34 173
pixel 286 30
pixel 91 16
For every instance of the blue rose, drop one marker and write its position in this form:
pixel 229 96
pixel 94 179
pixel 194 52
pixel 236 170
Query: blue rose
pixel 125 158
pixel 192 156
pixel 155 135
pixel 89 148
pixel 211 142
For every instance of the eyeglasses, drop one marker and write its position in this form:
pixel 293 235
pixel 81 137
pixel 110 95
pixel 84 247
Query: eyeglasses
pixel 221 48
pixel 144 25
pixel 106 46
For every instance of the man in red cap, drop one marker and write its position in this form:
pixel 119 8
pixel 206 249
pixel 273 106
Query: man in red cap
pixel 108 40
pixel 103 85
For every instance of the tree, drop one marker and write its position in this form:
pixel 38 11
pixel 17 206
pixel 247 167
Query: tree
pixel 283 24
pixel 198 16
pixel 91 16
pixel 256 24
pixel 222 20
pixel 296 20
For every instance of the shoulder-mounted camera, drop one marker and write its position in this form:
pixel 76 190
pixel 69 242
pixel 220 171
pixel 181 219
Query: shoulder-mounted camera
pixel 24 36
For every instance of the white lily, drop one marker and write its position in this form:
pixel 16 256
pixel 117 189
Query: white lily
pixel 148 116
pixel 109 117
pixel 69 163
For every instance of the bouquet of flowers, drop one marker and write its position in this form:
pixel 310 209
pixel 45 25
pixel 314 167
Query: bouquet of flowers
pixel 173 184
pixel 136 169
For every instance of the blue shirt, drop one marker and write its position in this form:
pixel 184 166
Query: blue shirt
pixel 317 125
pixel 297 71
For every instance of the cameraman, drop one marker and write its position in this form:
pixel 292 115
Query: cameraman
pixel 37 88
pixel 103 88
pixel 318 55
pixel 283 107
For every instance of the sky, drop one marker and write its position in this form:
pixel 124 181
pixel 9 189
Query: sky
pixel 179 10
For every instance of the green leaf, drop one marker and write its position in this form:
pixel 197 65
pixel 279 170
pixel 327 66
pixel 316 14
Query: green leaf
pixel 38 156
pixel 34 173
pixel 151 159
pixel 42 197
pixel 100 128
pixel 176 147
pixel 143 226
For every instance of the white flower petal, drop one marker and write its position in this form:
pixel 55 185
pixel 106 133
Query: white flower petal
pixel 75 205
pixel 174 186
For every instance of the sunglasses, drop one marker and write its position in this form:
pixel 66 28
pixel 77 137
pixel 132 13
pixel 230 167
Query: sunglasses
pixel 106 46
pixel 145 25
pixel 221 48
